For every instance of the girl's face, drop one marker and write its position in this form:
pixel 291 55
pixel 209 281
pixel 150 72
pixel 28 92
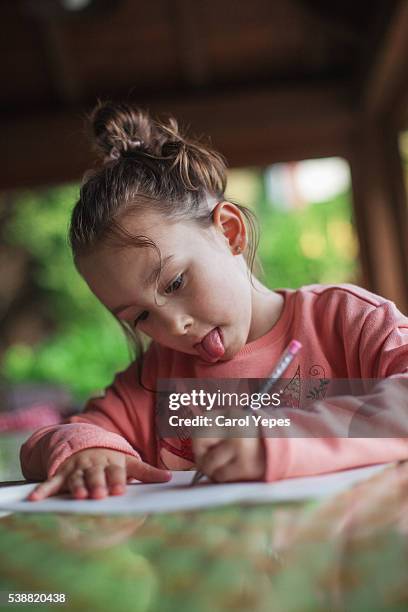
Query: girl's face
pixel 202 286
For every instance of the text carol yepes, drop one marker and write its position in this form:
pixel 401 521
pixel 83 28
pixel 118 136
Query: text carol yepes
pixel 223 421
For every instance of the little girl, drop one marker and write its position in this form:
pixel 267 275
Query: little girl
pixel 161 248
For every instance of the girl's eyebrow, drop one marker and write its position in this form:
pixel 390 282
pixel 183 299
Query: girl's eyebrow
pixel 152 277
pixel 146 283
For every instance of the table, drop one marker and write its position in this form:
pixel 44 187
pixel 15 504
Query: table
pixel 346 553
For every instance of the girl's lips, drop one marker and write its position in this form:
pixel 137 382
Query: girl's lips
pixel 211 346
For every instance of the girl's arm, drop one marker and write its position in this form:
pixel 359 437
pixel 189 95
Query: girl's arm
pixel 123 420
pixel 351 431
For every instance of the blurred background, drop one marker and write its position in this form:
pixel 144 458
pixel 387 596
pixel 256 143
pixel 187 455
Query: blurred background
pixel 307 99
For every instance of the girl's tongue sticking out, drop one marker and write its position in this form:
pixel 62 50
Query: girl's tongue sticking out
pixel 211 346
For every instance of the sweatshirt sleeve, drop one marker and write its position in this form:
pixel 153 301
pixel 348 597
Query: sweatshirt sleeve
pixel 122 419
pixel 348 431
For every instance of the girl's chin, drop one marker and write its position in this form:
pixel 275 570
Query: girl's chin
pixel 230 353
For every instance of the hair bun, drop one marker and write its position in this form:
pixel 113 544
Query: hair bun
pixel 120 130
pixel 127 149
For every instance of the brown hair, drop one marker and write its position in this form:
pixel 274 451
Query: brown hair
pixel 146 163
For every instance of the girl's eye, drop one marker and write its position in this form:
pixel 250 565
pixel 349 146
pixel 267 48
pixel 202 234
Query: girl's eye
pixel 142 317
pixel 176 284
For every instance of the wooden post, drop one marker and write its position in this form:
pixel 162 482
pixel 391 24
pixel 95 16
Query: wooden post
pixel 381 213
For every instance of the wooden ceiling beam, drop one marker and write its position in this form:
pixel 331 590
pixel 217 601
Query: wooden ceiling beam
pixel 256 128
pixel 60 67
pixel 385 91
pixel 324 20
pixel 48 19
pixel 190 42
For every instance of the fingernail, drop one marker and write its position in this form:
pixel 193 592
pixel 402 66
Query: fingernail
pixel 99 491
pixel 81 492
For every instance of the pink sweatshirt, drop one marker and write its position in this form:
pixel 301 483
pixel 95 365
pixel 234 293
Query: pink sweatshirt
pixel 346 332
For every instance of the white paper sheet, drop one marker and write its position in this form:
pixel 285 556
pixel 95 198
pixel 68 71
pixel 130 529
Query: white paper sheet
pixel 178 495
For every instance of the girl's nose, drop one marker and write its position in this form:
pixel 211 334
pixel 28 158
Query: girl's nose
pixel 178 324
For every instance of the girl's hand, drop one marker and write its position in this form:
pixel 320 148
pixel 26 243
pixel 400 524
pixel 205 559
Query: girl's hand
pixel 230 459
pixel 96 473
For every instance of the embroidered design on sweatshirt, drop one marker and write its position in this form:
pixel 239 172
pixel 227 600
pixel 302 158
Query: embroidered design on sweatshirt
pixel 318 391
pixel 290 396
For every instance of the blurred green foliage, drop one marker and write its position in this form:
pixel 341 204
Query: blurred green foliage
pixel 311 245
pixel 88 346
pixel 316 244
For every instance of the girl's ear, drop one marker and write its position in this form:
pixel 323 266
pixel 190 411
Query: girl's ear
pixel 228 219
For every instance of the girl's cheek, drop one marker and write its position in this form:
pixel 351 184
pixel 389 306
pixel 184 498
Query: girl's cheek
pixel 146 328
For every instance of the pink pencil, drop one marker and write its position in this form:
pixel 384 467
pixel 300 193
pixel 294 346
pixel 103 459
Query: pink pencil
pixel 284 361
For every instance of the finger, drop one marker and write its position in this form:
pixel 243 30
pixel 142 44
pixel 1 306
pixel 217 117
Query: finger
pixel 228 472
pixel 95 481
pixel 48 487
pixel 76 484
pixel 201 446
pixel 145 472
pixel 116 479
pixel 216 457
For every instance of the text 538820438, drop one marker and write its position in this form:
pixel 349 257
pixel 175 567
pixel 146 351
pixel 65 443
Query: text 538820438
pixel 30 598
